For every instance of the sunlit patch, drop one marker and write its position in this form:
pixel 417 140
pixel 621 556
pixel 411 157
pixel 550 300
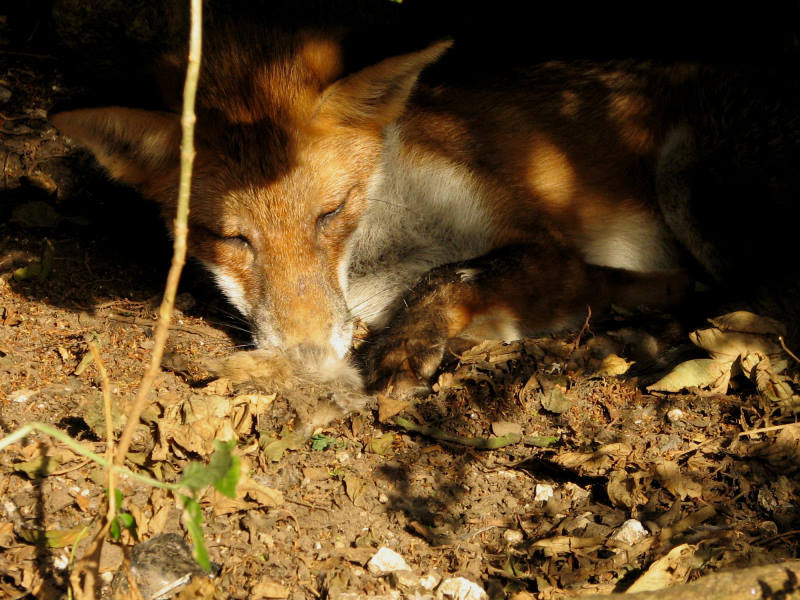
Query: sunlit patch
pixel 498 324
pixel 550 173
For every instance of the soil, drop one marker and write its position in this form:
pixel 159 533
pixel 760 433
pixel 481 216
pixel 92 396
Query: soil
pixel 548 516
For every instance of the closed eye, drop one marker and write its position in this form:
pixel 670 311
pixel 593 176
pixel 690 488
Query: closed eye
pixel 239 239
pixel 326 217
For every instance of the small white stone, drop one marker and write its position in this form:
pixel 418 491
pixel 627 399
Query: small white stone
pixel 630 532
pixel 61 562
pixel 430 581
pixel 383 498
pixel 21 395
pixel 386 561
pixel 543 492
pixel 675 415
pixel 459 588
pixel 512 536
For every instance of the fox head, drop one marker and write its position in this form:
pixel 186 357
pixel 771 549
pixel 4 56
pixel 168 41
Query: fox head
pixel 286 147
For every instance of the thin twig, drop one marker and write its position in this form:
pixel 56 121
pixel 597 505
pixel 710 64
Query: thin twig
pixel 583 330
pixel 491 443
pixel 767 429
pixel 785 349
pixel 142 322
pixel 181 229
pixel 111 513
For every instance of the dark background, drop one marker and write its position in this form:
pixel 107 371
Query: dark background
pixel 108 45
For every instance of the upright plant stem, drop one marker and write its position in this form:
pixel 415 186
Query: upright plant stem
pixel 181 230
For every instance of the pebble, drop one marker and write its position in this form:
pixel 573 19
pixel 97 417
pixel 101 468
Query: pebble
pixel 459 588
pixel 385 561
pixel 543 492
pixel 675 415
pixel 630 532
pixel 512 537
pixel 430 581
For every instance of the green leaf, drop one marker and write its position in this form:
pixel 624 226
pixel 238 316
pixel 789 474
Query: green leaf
pixel 39 270
pixel 194 523
pixel 41 466
pixel 275 448
pixel 114 530
pixel 381 445
pixel 222 471
pixel 320 441
pixel 52 538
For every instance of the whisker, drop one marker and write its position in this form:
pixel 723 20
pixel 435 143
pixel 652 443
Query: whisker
pixel 228 325
pixel 402 290
pixel 399 206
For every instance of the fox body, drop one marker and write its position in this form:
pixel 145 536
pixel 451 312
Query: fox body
pixel 497 209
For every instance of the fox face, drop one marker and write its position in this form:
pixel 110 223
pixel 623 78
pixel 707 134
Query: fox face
pixel 281 179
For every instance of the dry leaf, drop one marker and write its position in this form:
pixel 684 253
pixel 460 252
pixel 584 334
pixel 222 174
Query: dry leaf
pixel 561 544
pixel 626 490
pixel 500 428
pixel 268 589
pixel 747 322
pixel 739 342
pixel 355 488
pixel 699 373
pixel 6 534
pixel 555 400
pixel 388 407
pixel 381 445
pixel 667 571
pixel 669 475
pixel 613 365
pixel 594 463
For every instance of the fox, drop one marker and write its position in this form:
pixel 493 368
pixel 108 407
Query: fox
pixel 323 197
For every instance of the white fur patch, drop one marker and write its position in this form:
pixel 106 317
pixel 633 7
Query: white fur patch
pixel 424 211
pixel 231 288
pixel 341 338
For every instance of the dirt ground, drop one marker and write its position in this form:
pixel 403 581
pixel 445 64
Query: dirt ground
pixel 599 481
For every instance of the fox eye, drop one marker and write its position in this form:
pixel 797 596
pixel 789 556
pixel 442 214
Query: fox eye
pixel 239 239
pixel 324 218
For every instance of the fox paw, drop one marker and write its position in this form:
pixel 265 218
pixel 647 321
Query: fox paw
pixel 403 365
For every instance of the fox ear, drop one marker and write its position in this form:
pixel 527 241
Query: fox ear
pixel 378 94
pixel 133 145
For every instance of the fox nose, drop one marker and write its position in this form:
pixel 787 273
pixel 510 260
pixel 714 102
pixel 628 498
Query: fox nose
pixel 308 334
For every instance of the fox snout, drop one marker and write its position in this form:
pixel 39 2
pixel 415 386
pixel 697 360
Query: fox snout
pixel 306 331
pixel 304 314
